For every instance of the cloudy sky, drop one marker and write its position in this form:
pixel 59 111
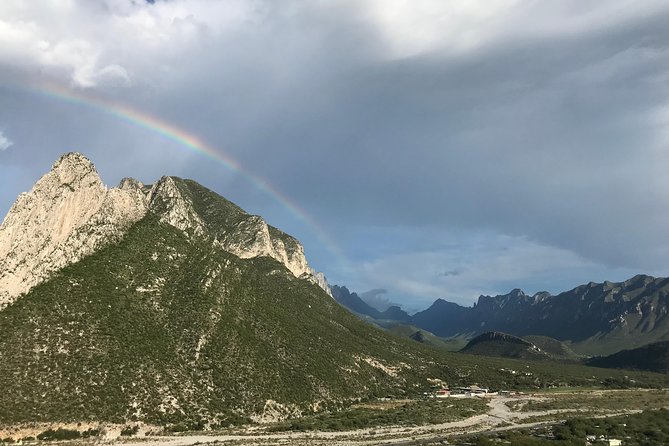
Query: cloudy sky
pixel 445 148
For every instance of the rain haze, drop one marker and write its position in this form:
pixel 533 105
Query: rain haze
pixel 418 149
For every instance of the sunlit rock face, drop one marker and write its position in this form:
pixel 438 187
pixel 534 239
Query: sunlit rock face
pixel 246 236
pixel 68 214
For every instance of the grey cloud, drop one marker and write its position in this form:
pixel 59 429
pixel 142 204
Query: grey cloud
pixel 377 298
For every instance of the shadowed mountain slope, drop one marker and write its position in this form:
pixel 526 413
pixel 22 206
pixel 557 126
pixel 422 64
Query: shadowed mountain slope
pixel 653 357
pixel 503 345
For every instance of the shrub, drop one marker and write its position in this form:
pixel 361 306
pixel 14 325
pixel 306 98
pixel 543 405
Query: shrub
pixel 59 434
pixel 129 431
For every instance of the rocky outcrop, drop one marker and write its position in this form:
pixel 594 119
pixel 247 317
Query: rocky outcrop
pixel 167 201
pixel 200 212
pixel 252 238
pixel 68 214
pixel 319 279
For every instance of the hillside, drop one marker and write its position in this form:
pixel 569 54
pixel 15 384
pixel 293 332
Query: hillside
pixel 652 357
pixel 504 346
pixel 424 337
pixel 184 313
pixel 163 329
pixel 554 348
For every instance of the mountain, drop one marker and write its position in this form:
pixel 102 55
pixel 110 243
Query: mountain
pixel 353 302
pixel 446 319
pixel 597 318
pixel 423 336
pixel 70 214
pixel 503 345
pixel 554 348
pixel 358 306
pixel 653 357
pixel 395 313
pixel 168 304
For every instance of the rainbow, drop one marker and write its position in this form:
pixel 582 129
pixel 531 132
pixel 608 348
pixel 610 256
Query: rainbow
pixel 188 141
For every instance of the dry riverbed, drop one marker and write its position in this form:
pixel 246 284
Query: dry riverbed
pixel 502 413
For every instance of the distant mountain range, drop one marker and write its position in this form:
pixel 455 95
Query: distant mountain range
pixel 594 319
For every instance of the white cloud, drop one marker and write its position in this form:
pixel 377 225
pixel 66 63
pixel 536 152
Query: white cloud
pixel 90 44
pixel 486 264
pixel 5 143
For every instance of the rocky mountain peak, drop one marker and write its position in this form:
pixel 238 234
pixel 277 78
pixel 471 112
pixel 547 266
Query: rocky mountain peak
pixel 73 161
pixel 517 292
pixel 319 279
pixel 174 207
pixel 68 214
pixel 130 184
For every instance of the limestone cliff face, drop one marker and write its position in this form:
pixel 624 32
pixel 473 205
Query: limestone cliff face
pixel 319 279
pixel 167 200
pixel 68 214
pixel 252 238
pixel 179 203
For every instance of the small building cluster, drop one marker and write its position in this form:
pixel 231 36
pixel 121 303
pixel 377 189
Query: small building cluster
pixel 459 392
pixel 595 439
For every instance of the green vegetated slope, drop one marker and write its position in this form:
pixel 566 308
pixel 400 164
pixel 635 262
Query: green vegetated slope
pixel 223 219
pixel 424 337
pixel 554 348
pixel 163 329
pixel 653 357
pixel 528 347
pixel 503 345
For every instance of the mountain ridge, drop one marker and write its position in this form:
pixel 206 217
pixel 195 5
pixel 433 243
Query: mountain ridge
pixel 69 214
pixel 594 318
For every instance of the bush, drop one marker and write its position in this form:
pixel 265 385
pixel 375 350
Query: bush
pixel 129 431
pixel 59 434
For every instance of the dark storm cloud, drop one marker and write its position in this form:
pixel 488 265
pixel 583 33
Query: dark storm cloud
pixel 502 141
pixel 552 139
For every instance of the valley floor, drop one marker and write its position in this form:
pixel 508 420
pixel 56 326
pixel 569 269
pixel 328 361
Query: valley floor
pixel 502 413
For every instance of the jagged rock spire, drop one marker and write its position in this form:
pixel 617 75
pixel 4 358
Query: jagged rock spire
pixel 68 214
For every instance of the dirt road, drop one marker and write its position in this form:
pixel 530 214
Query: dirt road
pixel 498 417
